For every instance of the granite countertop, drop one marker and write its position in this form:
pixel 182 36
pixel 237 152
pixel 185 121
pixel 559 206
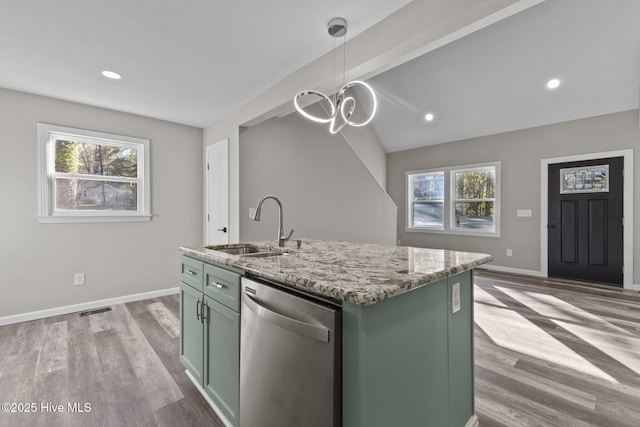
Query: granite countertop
pixel 358 273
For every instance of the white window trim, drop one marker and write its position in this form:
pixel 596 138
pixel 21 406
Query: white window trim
pixel 449 205
pixel 46 213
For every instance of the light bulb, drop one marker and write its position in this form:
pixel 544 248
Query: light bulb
pixel 111 75
pixel 553 83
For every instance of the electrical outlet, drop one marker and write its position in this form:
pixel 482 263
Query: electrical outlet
pixel 252 212
pixel 455 297
pixel 509 252
pixel 78 279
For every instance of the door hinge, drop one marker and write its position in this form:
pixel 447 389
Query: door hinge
pixel 623 221
pixel 208 217
pixel 207 166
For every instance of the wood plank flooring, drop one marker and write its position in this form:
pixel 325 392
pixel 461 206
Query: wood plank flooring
pixel 550 353
pixel 124 363
pixel 546 356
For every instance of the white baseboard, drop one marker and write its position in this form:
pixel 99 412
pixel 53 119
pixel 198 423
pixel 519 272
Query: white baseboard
pixel 473 421
pixel 57 311
pixel 211 403
pixel 513 270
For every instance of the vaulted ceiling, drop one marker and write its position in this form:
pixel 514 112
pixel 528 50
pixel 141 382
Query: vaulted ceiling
pixel 494 80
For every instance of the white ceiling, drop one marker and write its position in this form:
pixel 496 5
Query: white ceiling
pixel 184 61
pixel 493 81
pixel 192 62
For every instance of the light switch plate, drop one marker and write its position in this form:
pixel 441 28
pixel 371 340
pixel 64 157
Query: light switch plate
pixel 78 279
pixel 523 212
pixel 455 297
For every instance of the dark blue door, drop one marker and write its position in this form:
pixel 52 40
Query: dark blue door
pixel 585 224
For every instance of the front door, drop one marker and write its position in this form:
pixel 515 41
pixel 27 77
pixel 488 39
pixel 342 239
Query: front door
pixel 585 224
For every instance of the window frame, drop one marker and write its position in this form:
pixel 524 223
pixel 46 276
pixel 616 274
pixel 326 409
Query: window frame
pixel 449 226
pixel 48 134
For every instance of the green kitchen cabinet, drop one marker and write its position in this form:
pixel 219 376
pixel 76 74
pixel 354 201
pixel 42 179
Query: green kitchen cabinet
pixel 222 358
pixel 210 332
pixel 408 360
pixel 191 331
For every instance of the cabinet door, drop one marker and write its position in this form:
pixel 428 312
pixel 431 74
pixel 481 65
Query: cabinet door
pixel 222 358
pixel 191 330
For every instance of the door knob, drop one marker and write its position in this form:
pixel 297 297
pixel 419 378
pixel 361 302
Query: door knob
pixel 551 226
pixel 223 229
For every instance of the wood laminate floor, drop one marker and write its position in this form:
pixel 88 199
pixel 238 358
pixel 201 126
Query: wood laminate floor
pixel 123 363
pixel 548 355
pixel 545 356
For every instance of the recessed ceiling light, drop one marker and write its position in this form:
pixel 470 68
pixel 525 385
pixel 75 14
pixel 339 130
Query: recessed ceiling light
pixel 111 75
pixel 429 117
pixel 553 83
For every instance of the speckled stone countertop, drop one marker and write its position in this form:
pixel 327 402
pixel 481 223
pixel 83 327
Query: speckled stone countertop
pixel 358 273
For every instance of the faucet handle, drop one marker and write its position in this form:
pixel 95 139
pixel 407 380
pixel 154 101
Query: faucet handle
pixel 286 238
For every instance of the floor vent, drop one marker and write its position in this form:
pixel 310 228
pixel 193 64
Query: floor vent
pixel 96 311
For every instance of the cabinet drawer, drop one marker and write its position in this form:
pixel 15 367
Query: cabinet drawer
pixel 223 286
pixel 192 272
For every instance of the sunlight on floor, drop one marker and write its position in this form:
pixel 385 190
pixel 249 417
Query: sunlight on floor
pixel 612 340
pixel 511 330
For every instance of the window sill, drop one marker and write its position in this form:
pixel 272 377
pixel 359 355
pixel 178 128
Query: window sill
pixel 454 232
pixel 82 219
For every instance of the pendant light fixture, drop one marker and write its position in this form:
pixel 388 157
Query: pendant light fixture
pixel 342 106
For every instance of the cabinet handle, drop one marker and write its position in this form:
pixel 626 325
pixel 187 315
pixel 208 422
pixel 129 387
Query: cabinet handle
pixel 217 285
pixel 202 311
pixel 198 308
pixel 191 273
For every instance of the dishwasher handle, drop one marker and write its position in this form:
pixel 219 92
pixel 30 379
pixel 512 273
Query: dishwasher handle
pixel 318 333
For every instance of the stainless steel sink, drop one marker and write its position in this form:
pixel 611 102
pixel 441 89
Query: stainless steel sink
pixel 246 250
pixel 263 254
pixel 239 249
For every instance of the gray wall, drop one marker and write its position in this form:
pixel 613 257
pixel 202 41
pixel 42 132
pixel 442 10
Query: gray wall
pixel 521 153
pixel 365 142
pixel 326 190
pixel 38 261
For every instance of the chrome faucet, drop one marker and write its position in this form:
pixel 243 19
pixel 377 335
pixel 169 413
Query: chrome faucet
pixel 256 217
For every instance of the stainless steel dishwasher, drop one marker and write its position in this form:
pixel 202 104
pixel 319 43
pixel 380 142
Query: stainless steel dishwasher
pixel 290 358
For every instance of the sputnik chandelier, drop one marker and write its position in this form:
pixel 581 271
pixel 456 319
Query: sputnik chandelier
pixel 342 106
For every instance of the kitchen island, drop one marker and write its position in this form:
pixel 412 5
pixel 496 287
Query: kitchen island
pixel 407 323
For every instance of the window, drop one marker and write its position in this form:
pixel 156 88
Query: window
pixel 455 200
pixel 88 176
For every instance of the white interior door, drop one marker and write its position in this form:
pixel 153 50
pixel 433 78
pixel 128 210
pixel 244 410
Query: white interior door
pixel 217 193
